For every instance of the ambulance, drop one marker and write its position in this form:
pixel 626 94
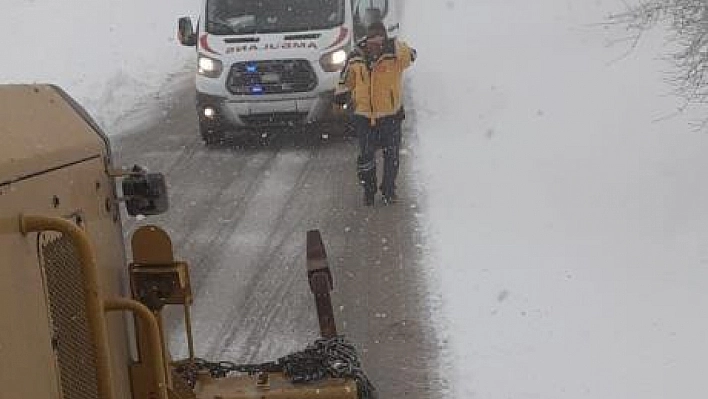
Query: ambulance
pixel 264 64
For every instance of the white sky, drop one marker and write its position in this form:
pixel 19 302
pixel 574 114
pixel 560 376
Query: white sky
pixel 567 227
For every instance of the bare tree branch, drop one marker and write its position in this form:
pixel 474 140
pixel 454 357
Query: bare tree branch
pixel 688 21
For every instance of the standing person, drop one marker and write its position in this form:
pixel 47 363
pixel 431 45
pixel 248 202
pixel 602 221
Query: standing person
pixel 372 82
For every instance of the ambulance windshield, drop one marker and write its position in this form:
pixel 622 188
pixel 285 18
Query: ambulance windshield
pixel 238 17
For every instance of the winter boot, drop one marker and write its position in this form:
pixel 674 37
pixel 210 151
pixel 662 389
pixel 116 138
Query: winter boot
pixel 390 198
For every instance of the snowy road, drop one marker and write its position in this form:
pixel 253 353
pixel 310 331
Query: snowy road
pixel 240 217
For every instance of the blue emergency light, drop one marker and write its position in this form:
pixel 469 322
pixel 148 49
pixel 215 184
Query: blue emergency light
pixel 251 68
pixel 257 89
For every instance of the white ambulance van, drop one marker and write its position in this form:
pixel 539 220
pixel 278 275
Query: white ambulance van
pixel 274 63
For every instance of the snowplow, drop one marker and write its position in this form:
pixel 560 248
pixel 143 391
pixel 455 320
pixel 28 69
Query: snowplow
pixel 77 319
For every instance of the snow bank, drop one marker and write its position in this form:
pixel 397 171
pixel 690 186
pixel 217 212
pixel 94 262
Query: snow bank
pixel 112 56
pixel 568 217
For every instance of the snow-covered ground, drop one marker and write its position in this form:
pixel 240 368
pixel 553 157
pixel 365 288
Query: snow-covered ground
pixel 567 218
pixel 116 57
pixel 568 221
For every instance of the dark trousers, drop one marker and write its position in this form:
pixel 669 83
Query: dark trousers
pixel 385 134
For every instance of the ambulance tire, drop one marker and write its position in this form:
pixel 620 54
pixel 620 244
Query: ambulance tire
pixel 340 128
pixel 211 134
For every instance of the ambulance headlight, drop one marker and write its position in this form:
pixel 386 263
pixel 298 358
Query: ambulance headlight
pixel 334 61
pixel 209 112
pixel 209 67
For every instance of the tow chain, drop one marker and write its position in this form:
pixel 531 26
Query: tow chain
pixel 332 357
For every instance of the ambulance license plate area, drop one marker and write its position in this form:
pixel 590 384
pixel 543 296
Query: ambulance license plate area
pixel 270 78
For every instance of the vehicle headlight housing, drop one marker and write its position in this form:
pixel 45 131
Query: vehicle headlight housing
pixel 334 61
pixel 209 67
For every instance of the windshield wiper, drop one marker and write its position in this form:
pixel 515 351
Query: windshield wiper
pixel 248 31
pixel 225 28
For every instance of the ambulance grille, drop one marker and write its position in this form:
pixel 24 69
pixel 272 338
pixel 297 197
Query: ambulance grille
pixel 73 346
pixel 271 77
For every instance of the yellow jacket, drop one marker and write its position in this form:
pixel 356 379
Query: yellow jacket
pixel 376 89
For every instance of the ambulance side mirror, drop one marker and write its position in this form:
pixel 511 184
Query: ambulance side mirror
pixel 185 32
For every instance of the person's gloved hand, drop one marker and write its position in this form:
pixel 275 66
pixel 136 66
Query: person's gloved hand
pixel 341 98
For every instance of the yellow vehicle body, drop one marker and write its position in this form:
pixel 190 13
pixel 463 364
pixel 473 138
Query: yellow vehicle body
pixel 65 282
pixel 53 163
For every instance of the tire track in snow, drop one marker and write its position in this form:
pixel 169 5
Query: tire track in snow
pixel 277 276
pixel 262 233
